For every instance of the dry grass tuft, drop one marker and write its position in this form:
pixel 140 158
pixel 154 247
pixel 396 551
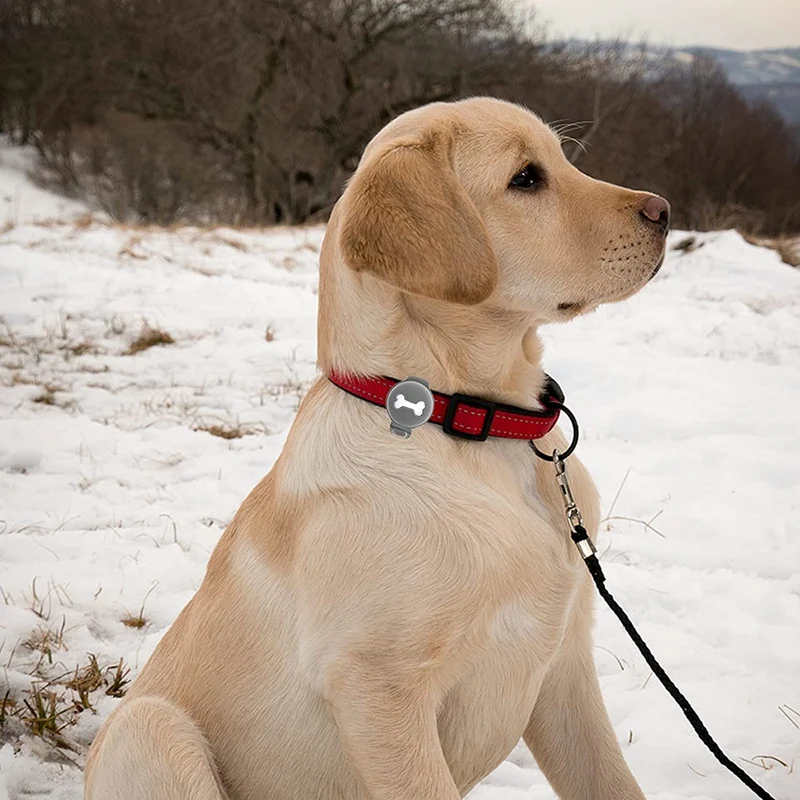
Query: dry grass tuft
pixel 134 621
pixel 20 379
pixel 147 338
pixel 50 705
pixel 138 620
pixel 226 240
pixel 41 606
pixel 292 385
pixel 129 250
pixel 47 397
pixel 789 251
pixel 227 431
pixel 766 762
pixel 82 348
pixel 46 640
pixel 48 222
pixel 118 679
pixel 8 708
pixel 687 245
pixel 269 333
pixel 786 247
pixel 44 711
pixel 207 272
pixel 84 682
pixel 83 222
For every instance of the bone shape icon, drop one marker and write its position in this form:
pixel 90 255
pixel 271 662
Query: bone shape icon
pixel 417 408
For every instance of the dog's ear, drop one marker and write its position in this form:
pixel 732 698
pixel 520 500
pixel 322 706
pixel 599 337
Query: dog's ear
pixel 408 221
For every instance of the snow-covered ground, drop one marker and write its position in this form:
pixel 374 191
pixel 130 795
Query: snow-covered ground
pixel 21 200
pixel 114 486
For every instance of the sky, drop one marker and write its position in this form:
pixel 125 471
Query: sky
pixel 737 24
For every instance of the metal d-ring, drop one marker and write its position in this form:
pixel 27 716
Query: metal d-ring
pixel 575 433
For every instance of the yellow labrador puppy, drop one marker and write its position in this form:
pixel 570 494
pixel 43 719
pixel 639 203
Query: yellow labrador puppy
pixel 384 619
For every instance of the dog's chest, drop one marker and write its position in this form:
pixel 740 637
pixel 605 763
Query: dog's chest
pixel 485 714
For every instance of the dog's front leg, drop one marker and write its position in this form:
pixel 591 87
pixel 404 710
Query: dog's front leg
pixel 389 734
pixel 569 732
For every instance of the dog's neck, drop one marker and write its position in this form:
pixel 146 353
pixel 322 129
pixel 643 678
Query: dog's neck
pixel 368 327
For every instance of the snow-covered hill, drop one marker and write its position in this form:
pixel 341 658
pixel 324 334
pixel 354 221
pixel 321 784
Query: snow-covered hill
pixel 23 201
pixel 743 67
pixel 750 67
pixel 119 469
pixel 760 75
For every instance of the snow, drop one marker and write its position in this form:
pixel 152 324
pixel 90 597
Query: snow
pixel 787 60
pixel 112 495
pixel 680 56
pixel 23 201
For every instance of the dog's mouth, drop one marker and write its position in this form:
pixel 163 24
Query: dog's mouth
pixel 657 267
pixel 575 307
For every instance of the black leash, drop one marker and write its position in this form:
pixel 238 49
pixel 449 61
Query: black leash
pixel 589 553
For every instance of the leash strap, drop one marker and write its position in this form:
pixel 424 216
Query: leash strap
pixel 674 692
pixel 589 553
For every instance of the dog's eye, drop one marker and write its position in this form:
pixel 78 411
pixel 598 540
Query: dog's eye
pixel 530 178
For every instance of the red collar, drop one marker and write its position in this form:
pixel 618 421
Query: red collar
pixel 465 416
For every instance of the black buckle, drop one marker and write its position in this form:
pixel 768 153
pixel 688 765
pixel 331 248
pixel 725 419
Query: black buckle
pixel 551 390
pixel 464 399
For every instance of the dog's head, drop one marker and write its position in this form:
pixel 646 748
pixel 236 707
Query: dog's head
pixel 474 202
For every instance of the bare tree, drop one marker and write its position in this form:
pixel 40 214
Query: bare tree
pixel 256 111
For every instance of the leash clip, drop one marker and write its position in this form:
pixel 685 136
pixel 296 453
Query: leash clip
pixel 578 533
pixel 570 507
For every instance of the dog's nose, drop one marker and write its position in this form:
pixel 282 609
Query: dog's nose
pixel 656 209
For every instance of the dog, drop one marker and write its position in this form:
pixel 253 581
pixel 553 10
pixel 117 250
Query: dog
pixel 384 619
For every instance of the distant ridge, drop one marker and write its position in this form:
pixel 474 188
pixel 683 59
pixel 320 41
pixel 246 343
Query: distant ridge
pixel 771 75
pixel 754 67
